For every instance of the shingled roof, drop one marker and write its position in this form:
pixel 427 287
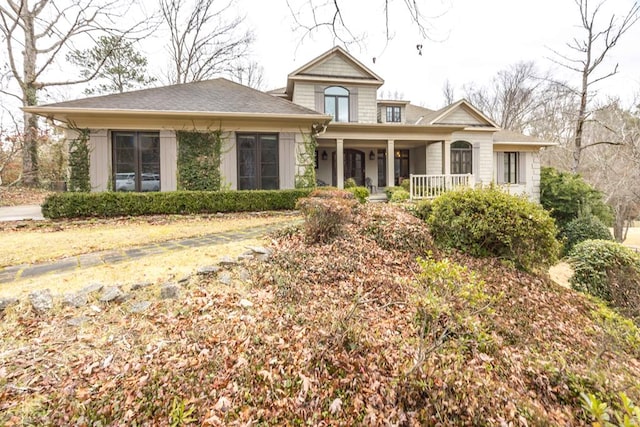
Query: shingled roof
pixel 211 96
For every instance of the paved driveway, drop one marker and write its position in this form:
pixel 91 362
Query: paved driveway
pixel 19 213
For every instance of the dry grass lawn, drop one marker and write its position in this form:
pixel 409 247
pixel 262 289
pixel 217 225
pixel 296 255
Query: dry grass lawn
pixel 54 240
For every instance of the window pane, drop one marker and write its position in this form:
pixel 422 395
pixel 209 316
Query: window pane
pixel 336 90
pixel 343 110
pixel 149 148
pixel 330 106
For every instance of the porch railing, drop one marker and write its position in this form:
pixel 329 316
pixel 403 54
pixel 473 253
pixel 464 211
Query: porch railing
pixel 431 186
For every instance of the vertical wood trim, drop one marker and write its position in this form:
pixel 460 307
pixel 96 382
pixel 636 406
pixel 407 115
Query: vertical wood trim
pixel 353 104
pixel 391 155
pixel 522 167
pixel 500 168
pixel 287 162
pixel 99 159
pixel 168 160
pixel 339 163
pixel 228 162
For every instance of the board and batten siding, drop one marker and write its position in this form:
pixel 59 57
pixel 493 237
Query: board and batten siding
pixel 434 158
pixel 99 159
pixel 168 160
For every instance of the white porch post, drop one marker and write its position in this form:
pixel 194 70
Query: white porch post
pixel 340 163
pixel 390 163
pixel 446 157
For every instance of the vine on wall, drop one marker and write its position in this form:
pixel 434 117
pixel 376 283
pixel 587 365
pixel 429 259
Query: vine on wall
pixel 79 180
pixel 306 162
pixel 199 159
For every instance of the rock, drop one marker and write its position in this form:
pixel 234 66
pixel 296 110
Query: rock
pixel 244 275
pixel 225 278
pixel 140 306
pixel 245 303
pixel 112 293
pixel 169 291
pixel 243 257
pixel 142 285
pixel 227 260
pixel 184 279
pixel 259 250
pixel 262 257
pixel 77 321
pixel 7 302
pixel 93 287
pixel 75 300
pixel 207 270
pixel 41 301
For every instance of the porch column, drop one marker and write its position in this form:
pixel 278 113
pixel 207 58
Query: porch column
pixel 391 163
pixel 340 163
pixel 446 157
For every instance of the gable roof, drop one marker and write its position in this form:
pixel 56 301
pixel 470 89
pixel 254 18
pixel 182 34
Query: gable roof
pixel 471 114
pixel 209 96
pixel 314 70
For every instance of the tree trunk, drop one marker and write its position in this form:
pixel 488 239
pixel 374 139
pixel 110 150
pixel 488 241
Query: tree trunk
pixel 30 98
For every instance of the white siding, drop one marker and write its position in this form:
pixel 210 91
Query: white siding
pixel 168 160
pixel 534 176
pixel 483 154
pixel 531 185
pixel 460 116
pixel 434 158
pixel 367 104
pixel 287 158
pixel 229 163
pixel 337 66
pixel 418 161
pixel 99 159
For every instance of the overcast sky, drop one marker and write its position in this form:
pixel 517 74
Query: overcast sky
pixel 476 39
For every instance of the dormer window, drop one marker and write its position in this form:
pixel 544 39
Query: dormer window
pixel 336 103
pixel 393 114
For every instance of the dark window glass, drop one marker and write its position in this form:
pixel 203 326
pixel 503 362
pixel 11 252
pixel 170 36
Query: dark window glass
pixel 136 160
pixel 336 103
pixel 511 167
pixel 382 168
pixel 401 166
pixel 258 162
pixel 393 114
pixel 461 158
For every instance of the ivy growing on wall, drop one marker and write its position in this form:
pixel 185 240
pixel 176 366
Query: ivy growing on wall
pixel 79 162
pixel 306 162
pixel 199 158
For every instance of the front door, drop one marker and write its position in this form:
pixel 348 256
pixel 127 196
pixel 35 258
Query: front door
pixel 354 167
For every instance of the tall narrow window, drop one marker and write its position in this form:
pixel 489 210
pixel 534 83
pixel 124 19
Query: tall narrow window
pixel 461 158
pixel 258 162
pixel 393 114
pixel 136 161
pixel 401 166
pixel 511 162
pixel 336 103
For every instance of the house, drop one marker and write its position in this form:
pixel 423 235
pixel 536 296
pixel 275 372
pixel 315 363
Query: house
pixel 333 98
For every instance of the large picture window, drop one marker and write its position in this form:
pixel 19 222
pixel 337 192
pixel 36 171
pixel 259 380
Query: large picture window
pixel 461 158
pixel 336 103
pixel 136 161
pixel 258 161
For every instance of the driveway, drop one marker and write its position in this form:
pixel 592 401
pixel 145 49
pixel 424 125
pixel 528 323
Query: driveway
pixel 19 213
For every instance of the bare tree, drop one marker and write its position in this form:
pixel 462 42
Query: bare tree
pixel 513 97
pixel 35 36
pixel 248 73
pixel 314 16
pixel 588 53
pixel 203 41
pixel 448 92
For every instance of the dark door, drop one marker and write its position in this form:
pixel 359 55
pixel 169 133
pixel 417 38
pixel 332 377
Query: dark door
pixel 354 166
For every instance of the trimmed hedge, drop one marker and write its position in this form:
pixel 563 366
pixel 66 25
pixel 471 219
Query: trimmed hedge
pixel 584 228
pixel 111 204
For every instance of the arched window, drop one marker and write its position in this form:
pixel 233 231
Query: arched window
pixel 336 103
pixel 461 158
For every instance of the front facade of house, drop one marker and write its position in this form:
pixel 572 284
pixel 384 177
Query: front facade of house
pixel 134 144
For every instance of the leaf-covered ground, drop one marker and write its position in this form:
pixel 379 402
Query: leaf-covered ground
pixel 326 335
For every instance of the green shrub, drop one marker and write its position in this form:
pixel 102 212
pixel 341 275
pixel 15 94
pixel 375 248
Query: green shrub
pixel 422 209
pixel 492 223
pixel 350 183
pixel 390 190
pixel 360 193
pixel 110 204
pixel 406 184
pixel 399 196
pixel 610 271
pixel 584 228
pixel 324 215
pixel 568 196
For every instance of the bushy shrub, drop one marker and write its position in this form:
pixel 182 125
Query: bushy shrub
pixel 390 190
pixel 350 183
pixel 422 209
pixel 568 196
pixel 586 227
pixel 325 217
pixel 110 204
pixel 491 223
pixel 610 271
pixel 399 196
pixel 360 193
pixel 406 184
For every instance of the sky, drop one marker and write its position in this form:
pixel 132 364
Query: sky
pixel 470 41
